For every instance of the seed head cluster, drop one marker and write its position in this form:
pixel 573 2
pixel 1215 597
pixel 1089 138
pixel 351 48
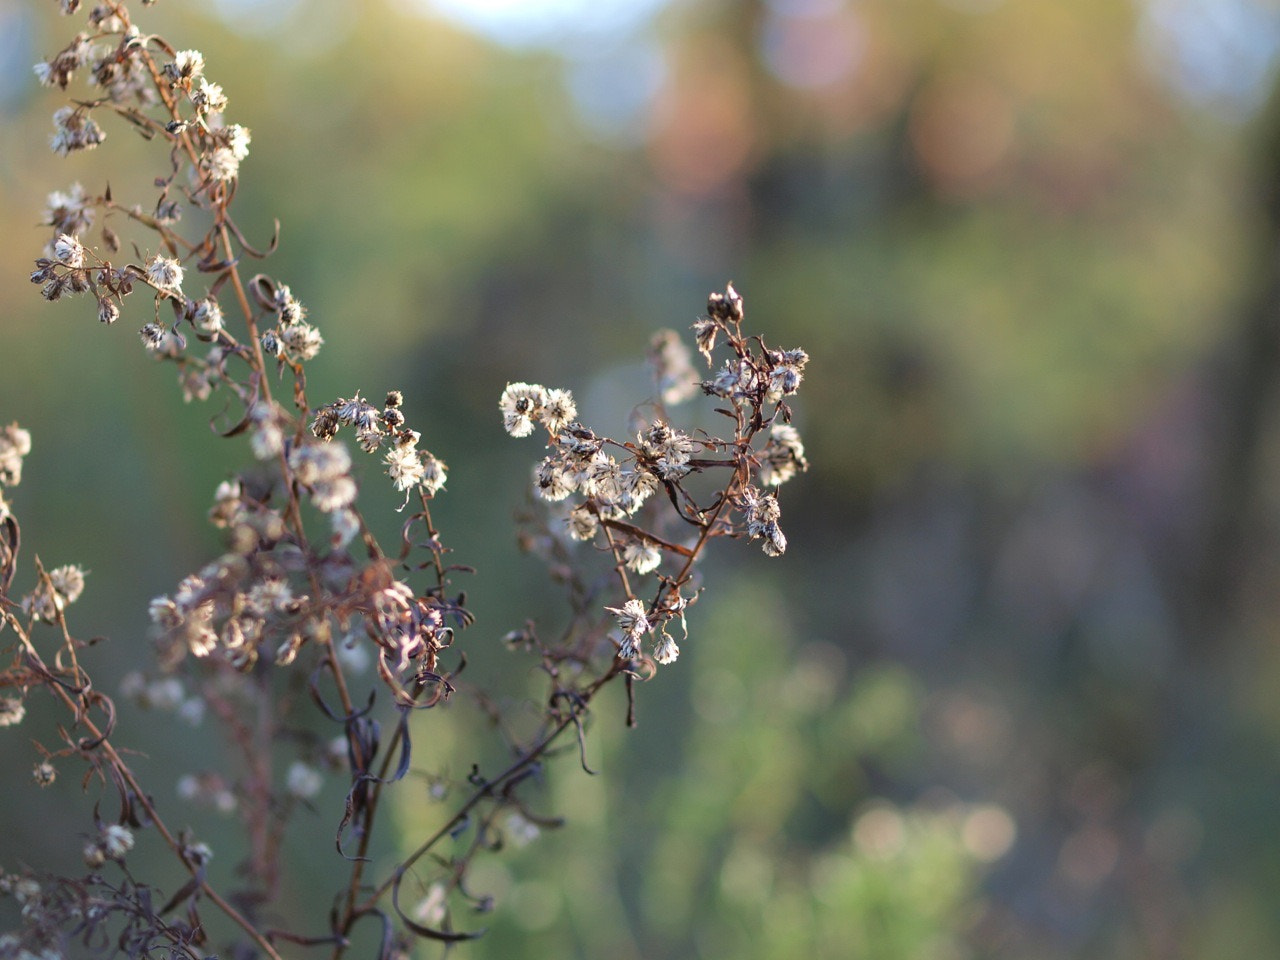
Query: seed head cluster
pixel 608 484
pixel 282 626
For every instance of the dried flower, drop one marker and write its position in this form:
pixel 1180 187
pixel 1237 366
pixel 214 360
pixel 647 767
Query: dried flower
pixel 197 854
pixel 15 443
pixel 404 466
pixel 303 780
pixel 673 370
pixel 704 336
pixel 434 906
pixel 68 581
pixel 165 273
pixel 558 410
pixel 726 307
pixel 346 526
pixel 117 840
pixel 782 456
pixel 74 130
pixel 521 829
pixel 641 556
pixel 267 439
pixel 666 651
pixel 186 66
pixel 554 478
pixel 12 710
pixel 583 523
pixel 301 340
pixel 207 316
pixel 312 463
pixel 69 250
pixel 521 404
pixel 208 97
pixel 44 773
pixel 68 212
pixel 631 617
pixel 434 473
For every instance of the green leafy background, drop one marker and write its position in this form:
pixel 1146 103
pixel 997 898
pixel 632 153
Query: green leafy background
pixel 1010 693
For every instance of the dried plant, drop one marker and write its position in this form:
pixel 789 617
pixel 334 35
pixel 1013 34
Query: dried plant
pixel 271 629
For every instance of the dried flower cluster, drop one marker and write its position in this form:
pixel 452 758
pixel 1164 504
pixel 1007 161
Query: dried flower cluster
pixel 286 608
pixel 607 483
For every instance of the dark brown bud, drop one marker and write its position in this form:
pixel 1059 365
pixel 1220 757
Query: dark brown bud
pixel 726 307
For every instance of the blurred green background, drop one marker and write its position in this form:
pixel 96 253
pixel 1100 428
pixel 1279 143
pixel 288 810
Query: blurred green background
pixel 1012 692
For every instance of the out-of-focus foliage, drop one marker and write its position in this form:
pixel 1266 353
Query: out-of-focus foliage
pixel 1030 595
pixel 749 831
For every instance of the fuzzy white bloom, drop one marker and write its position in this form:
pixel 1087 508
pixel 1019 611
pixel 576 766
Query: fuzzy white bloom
pixel 314 462
pixel 783 456
pixel 354 655
pixel 641 556
pixel 117 840
pixel 191 711
pixel 267 439
pixel 632 617
pixel 270 595
pixel 558 410
pixel 303 780
pixel 775 542
pixel 68 212
pixel 521 404
pixel 164 272
pixel 301 340
pixel 583 523
pixel 521 829
pixel 334 494
pixel 666 650
pixel 208 316
pixel 346 525
pixel 554 479
pixel 74 130
pixel 673 369
pixel 12 710
pixel 69 250
pixel 188 63
pixel 237 140
pixel 434 906
pixel 165 693
pixel 221 163
pixel 638 485
pixel 404 466
pixel 434 473
pixel 15 444
pixel 68 581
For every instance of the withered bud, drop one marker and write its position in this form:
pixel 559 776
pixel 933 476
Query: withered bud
pixel 271 344
pixel 78 281
pixel 325 425
pixel 394 398
pixel 726 307
pixel 152 335
pixel 168 211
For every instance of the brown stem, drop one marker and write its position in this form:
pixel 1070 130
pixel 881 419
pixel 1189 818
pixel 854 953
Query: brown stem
pixel 140 795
